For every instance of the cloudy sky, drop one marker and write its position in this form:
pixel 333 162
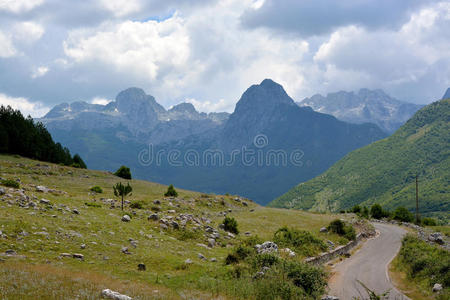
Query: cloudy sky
pixel 208 52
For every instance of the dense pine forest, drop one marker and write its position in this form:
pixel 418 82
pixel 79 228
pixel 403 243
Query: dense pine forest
pixel 23 136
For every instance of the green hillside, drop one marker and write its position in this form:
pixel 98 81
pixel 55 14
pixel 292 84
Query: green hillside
pixel 68 242
pixel 384 172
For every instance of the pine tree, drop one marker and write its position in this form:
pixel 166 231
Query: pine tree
pixel 121 190
pixel 171 192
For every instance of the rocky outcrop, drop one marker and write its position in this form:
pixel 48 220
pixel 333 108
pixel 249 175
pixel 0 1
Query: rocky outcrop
pixel 267 248
pixel 365 106
pixel 108 294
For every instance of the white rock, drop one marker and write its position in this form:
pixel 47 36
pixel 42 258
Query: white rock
pixel 437 287
pixel 108 294
pixel 289 252
pixel 267 247
pixel 42 189
pixel 44 201
pixel 126 218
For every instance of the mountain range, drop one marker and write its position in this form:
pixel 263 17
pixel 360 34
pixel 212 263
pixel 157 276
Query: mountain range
pixel 385 171
pixel 365 106
pixel 133 116
pixel 266 146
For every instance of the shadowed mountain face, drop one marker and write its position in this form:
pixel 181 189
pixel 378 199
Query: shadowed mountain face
pixel 447 94
pixel 366 106
pixel 266 146
pixel 384 172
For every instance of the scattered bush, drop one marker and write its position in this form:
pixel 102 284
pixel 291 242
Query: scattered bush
pixel 230 224
pixel 92 204
pixel 184 235
pixel 429 222
pixel 310 278
pixel 299 240
pixel 339 227
pixel 239 253
pixel 252 241
pixel 123 172
pixel 356 209
pixel 231 258
pixel 137 204
pixel 264 260
pixel 365 212
pixel 10 183
pixel 155 208
pixel 403 215
pixel 377 212
pixel 96 189
pixel 280 278
pixel 171 192
pixel 424 263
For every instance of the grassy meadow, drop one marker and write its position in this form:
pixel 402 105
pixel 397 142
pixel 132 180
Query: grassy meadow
pixel 36 238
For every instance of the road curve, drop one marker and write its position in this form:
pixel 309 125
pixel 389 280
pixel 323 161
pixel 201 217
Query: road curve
pixel 369 265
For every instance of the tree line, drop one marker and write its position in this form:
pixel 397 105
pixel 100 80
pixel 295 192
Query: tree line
pixel 25 137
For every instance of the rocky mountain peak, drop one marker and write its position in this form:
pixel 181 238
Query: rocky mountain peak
pixel 135 101
pixel 447 94
pixel 184 108
pixel 263 97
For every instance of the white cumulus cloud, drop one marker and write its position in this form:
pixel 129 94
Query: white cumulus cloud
pixel 34 109
pixel 19 6
pixel 142 48
pixel 121 7
pixel 7 48
pixel 100 100
pixel 39 72
pixel 28 32
pixel 209 106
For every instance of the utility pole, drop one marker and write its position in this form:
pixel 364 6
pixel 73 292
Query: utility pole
pixel 417 199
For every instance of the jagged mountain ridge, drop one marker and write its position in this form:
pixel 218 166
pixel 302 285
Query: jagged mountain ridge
pixel 365 106
pixel 138 114
pixel 264 111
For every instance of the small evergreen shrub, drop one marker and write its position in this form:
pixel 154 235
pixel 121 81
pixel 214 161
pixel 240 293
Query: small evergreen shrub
pixel 10 183
pixel 299 240
pixel 231 258
pixel 311 279
pixel 96 189
pixel 429 222
pixel 403 215
pixel 264 260
pixel 171 192
pixel 365 212
pixel 377 212
pixel 155 208
pixel 230 224
pixel 137 204
pixel 356 209
pixel 339 227
pixel 123 172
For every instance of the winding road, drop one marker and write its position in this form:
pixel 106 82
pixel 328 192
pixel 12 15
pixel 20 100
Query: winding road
pixel 370 266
